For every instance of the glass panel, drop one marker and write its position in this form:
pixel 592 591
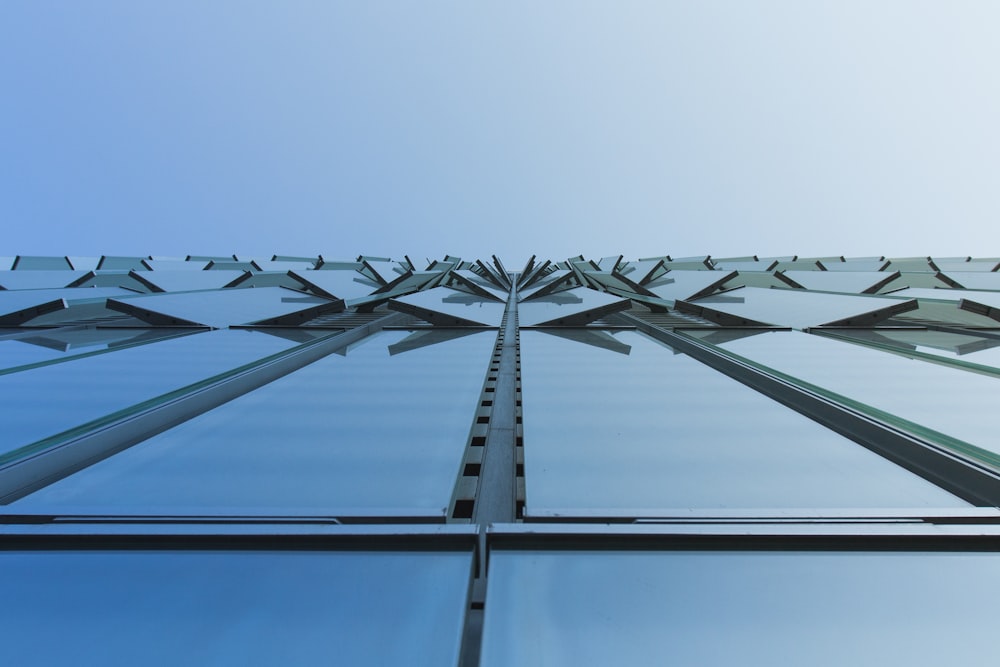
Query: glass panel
pixel 573 304
pixel 51 345
pixel 556 281
pixel 856 265
pixel 220 308
pixel 173 265
pixel 642 271
pixel 794 308
pixel 950 401
pixel 365 432
pixel 232 608
pixel 450 303
pixel 15 300
pixel 857 282
pixel 25 262
pixel 740 608
pixel 912 264
pixel 95 386
pixel 181 281
pixel 681 285
pixel 647 431
pixel 13 280
pixel 941 294
pixel 337 284
pixel 957 265
pixel 762 279
pixel 272 265
pixel 968 279
pixel 960 347
pixel 745 265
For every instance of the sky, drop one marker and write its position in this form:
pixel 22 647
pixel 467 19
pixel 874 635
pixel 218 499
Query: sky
pixel 515 128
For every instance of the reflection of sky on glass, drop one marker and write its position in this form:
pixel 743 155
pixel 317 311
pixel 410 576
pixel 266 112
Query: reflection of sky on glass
pixel 952 401
pixel 779 127
pixel 623 433
pixel 371 431
pixel 290 608
pixel 96 386
pixel 740 608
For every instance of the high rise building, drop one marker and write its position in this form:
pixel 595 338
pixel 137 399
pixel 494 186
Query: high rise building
pixel 695 461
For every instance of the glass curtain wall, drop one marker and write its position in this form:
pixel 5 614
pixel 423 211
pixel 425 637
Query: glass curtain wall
pixel 367 461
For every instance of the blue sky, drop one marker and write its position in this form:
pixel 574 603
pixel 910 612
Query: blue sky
pixel 723 128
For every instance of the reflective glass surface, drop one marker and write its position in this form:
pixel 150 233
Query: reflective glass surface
pixel 855 265
pixel 942 294
pixel 232 608
pixel 948 265
pixel 366 432
pixel 84 263
pixel 853 282
pixel 686 284
pixel 222 308
pixel 747 265
pixel 573 303
pixel 761 279
pixel 951 401
pixel 180 281
pixel 53 344
pixel 797 309
pixel 35 263
pixel 626 433
pixel 92 387
pixel 449 302
pixel 271 265
pixel 338 284
pixel 740 608
pixel 960 347
pixel 14 300
pixel 12 280
pixel 174 265
pixel 642 270
pixel 975 280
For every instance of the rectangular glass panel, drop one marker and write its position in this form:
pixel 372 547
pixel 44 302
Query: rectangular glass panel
pixel 232 608
pixel 221 308
pixel 566 304
pixel 51 345
pixel 687 284
pixel 976 280
pixel 371 431
pixel 853 282
pixel 798 309
pixel 15 300
pixel 645 431
pixel 15 280
pixel 951 401
pixel 43 402
pixel 958 347
pixel 740 608
pixel 449 302
pixel 186 281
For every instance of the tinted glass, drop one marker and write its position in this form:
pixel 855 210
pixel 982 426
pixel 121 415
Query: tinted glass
pixel 232 608
pixel 740 608
pixel 640 429
pixel 950 401
pixel 798 309
pixel 369 432
pixel 93 387
pixel 566 304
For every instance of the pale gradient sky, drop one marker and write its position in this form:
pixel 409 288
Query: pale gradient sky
pixel 723 128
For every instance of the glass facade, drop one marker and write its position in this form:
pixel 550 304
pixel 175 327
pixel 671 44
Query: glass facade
pixel 589 461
